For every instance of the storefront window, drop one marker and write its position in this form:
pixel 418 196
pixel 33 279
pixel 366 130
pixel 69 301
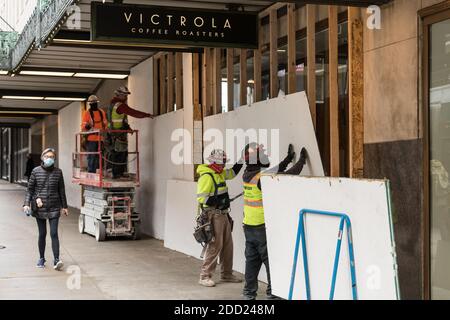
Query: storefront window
pixel 439 66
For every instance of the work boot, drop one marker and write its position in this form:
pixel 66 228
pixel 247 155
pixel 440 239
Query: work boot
pixel 232 278
pixel 58 265
pixel 41 263
pixel 208 282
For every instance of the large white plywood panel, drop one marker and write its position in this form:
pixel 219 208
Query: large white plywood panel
pixel 367 204
pixel 180 217
pixel 290 115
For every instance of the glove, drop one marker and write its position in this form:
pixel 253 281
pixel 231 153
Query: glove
pixel 303 155
pixel 87 126
pixel 291 153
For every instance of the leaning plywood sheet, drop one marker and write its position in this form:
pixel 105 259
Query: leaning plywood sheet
pixel 367 204
pixel 276 123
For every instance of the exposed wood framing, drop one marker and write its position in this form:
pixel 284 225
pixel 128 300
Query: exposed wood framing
pixel 162 85
pixel 230 78
pixel 257 91
pixel 196 87
pixel 292 65
pixel 333 89
pixel 155 87
pixel 273 54
pixel 170 81
pixel 311 58
pixel 356 92
pixel 217 81
pixel 243 77
pixel 179 79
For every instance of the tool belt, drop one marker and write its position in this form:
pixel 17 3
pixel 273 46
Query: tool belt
pixel 204 231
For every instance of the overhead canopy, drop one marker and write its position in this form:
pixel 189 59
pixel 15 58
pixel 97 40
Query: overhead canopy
pixel 59 49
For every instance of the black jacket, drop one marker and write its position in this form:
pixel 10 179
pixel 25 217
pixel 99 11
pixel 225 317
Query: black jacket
pixel 29 167
pixel 52 194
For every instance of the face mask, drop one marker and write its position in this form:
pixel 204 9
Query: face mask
pixel 49 162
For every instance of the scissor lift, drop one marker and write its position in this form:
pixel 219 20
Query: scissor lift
pixel 107 204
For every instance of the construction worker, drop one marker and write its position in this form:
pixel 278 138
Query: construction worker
pixel 256 253
pixel 118 120
pixel 214 203
pixel 93 119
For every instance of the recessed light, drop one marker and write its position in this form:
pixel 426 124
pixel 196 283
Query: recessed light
pixel 64 99
pixel 101 75
pixel 23 97
pixel 46 73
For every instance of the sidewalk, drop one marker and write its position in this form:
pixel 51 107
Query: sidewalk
pixel 118 269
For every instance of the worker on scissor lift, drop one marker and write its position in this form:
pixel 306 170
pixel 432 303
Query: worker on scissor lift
pixel 256 253
pixel 118 120
pixel 93 119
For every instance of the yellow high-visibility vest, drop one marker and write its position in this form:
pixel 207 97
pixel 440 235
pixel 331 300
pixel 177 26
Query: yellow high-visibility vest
pixel 253 203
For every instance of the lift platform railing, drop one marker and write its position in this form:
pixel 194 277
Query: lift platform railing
pixel 106 149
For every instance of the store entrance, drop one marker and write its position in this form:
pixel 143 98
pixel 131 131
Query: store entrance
pixel 438 97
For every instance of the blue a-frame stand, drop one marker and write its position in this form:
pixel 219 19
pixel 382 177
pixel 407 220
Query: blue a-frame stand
pixel 301 237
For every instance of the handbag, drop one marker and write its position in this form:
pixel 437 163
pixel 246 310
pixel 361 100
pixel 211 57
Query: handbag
pixel 33 204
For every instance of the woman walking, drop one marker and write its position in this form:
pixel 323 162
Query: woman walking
pixel 46 198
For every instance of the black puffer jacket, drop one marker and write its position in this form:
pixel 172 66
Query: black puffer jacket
pixel 52 194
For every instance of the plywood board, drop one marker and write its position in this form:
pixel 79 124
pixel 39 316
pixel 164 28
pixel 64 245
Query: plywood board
pixel 290 115
pixel 367 204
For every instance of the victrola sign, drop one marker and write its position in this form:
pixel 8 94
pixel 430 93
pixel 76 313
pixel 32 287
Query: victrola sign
pixel 176 26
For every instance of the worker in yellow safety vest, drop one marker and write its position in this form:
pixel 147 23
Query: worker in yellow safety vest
pixel 256 253
pixel 214 205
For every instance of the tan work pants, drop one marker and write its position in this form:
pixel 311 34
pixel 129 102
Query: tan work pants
pixel 221 246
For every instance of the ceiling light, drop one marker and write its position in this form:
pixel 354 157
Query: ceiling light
pixel 101 75
pixel 23 97
pixel 46 73
pixel 3 73
pixel 26 112
pixel 64 99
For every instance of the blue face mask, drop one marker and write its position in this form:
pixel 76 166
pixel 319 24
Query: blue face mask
pixel 49 162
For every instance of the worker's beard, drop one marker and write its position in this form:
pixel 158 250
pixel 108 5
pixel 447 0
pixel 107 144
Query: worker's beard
pixel 263 161
pixel 94 106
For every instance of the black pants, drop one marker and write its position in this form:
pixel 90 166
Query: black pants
pixel 119 157
pixel 255 255
pixel 42 226
pixel 93 159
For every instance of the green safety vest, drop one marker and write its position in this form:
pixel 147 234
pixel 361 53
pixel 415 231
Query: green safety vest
pixel 206 187
pixel 253 203
pixel 117 120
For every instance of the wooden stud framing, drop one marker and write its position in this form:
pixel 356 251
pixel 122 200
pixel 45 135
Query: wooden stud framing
pixel 170 81
pixel 243 77
pixel 356 92
pixel 179 79
pixel 273 54
pixel 217 80
pixel 196 86
pixel 311 58
pixel 230 78
pixel 292 64
pixel 155 87
pixel 162 85
pixel 257 61
pixel 334 90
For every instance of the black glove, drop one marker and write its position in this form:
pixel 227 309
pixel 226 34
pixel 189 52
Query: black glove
pixel 291 153
pixel 303 155
pixel 87 126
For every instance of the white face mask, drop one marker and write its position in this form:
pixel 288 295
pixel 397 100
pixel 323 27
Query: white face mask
pixel 48 162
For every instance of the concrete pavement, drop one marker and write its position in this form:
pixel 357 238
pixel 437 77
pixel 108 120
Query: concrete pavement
pixel 118 269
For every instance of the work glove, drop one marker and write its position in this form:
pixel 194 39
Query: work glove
pixel 291 153
pixel 303 155
pixel 88 126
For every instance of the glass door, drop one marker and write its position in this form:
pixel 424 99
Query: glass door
pixel 438 95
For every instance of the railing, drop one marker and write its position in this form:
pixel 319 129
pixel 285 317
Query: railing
pixel 103 177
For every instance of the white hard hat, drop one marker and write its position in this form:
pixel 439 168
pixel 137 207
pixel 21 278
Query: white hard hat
pixel 92 99
pixel 122 91
pixel 218 156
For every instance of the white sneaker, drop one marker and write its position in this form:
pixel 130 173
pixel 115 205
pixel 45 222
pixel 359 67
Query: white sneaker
pixel 58 265
pixel 207 282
